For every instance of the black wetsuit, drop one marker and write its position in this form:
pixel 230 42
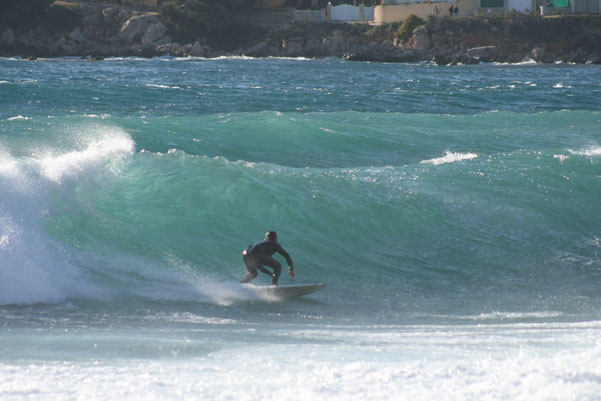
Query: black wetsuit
pixel 259 255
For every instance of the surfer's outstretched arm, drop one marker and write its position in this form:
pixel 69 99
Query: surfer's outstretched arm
pixel 286 255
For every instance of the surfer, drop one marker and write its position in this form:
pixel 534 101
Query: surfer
pixel 259 255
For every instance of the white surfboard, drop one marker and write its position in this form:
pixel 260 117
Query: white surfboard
pixel 285 291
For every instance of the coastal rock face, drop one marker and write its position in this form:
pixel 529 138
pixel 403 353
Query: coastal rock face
pixel 421 39
pixel 110 15
pixel 122 32
pixel 102 32
pixel 76 36
pixel 7 38
pixel 137 27
pixel 260 50
pixel 154 33
pixel 293 47
pixel 384 52
pixel 335 43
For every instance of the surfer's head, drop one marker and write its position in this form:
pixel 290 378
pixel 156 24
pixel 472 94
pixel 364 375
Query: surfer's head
pixel 271 236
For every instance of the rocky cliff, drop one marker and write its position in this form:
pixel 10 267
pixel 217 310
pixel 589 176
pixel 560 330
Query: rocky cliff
pixel 115 32
pixel 101 32
pixel 446 40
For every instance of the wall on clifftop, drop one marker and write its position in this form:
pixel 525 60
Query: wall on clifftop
pixel 390 13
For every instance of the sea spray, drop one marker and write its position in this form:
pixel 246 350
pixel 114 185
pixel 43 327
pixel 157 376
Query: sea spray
pixel 36 267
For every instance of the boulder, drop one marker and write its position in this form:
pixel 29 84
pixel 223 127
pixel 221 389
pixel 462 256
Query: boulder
pixel 136 27
pixel 177 49
pixel 65 46
pixel 421 40
pixel 483 53
pixel 197 50
pixel 148 42
pixel 174 49
pixel 76 36
pixel 258 50
pixel 537 54
pixel 154 33
pixel 165 40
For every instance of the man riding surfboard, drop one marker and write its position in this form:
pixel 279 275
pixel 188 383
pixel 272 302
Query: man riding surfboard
pixel 259 255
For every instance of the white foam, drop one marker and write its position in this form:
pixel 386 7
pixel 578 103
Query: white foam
pixel 439 363
pixel 8 166
pixel 329 131
pixel 34 267
pixel 561 158
pixel 517 315
pixel 102 116
pixel 162 86
pixel 19 117
pixel 590 152
pixel 55 167
pixel 188 317
pixel 450 157
pixel 229 292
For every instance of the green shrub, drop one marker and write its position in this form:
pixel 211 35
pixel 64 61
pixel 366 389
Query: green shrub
pixel 406 29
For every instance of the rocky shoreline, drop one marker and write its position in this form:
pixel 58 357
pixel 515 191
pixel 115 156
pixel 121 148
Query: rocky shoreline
pixel 115 32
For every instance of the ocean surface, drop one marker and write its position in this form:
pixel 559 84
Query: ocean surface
pixel 454 213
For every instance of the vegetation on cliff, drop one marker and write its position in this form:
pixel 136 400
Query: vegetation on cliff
pixel 23 15
pixel 408 25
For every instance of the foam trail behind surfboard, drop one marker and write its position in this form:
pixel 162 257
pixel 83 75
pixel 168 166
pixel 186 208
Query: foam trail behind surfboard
pixel 285 291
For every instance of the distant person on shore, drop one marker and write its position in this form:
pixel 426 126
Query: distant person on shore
pixel 456 11
pixel 259 255
pixel 451 9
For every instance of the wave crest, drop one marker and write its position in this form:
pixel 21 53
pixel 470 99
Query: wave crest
pixel 450 157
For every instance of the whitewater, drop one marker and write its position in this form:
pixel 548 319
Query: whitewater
pixel 453 212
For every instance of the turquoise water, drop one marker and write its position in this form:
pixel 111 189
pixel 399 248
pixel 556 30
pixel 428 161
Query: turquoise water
pixel 453 212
